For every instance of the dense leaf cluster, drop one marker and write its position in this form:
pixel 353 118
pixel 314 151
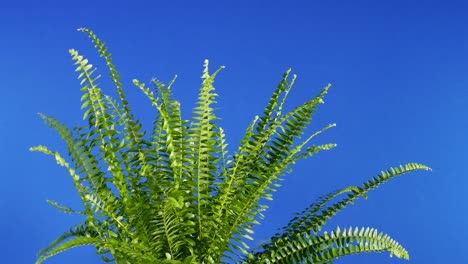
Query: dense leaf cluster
pixel 174 194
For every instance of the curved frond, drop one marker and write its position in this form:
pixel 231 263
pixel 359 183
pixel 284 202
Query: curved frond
pixel 61 161
pixel 313 218
pixel 79 149
pixel 76 231
pixel 301 219
pixel 75 242
pixel 327 247
pixel 102 49
pixel 98 114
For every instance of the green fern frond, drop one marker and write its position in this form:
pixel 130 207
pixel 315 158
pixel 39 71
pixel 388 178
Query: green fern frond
pixel 326 247
pixel 228 187
pixel 293 226
pixel 202 146
pixel 319 220
pixel 167 133
pixel 102 49
pixel 64 209
pixel 76 231
pixel 313 218
pixel 103 123
pixel 79 149
pixel 75 242
pixel 61 161
pixel 92 99
pixel 133 139
pixel 175 129
pixel 270 153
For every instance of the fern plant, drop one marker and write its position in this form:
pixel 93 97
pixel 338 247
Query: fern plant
pixel 174 194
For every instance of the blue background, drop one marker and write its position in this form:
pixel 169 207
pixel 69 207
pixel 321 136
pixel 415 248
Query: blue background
pixel 399 73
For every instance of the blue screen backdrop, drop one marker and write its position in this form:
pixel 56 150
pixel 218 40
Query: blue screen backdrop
pixel 399 71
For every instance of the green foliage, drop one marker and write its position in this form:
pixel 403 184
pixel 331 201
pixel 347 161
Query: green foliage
pixel 174 194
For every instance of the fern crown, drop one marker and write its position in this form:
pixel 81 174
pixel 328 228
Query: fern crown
pixel 174 194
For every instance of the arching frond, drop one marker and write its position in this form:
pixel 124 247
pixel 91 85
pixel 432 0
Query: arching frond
pixel 61 161
pixel 329 246
pixel 310 221
pixel 98 114
pixel 314 217
pixel 76 231
pixel 79 149
pixel 75 242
